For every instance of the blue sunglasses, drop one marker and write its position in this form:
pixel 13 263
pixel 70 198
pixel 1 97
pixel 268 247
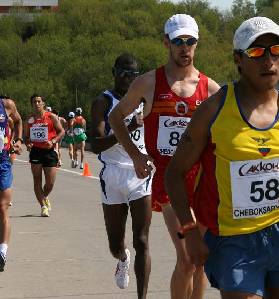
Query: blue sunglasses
pixel 189 41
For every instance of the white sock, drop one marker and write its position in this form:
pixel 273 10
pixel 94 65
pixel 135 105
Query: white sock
pixel 3 248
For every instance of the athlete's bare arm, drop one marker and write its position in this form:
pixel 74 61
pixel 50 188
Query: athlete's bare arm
pixel 213 87
pixel 141 90
pixel 189 149
pixel 16 118
pixel 58 128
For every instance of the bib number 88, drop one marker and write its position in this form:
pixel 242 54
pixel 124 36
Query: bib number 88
pixel 270 191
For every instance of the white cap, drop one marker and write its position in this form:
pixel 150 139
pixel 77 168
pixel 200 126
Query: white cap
pixel 48 108
pixel 78 110
pixel 181 24
pixel 71 114
pixel 251 29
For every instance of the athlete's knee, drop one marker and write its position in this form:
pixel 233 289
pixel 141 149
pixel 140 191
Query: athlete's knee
pixel 140 242
pixel 4 205
pixel 185 267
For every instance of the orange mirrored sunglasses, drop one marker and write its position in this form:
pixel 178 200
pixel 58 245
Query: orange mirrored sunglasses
pixel 257 52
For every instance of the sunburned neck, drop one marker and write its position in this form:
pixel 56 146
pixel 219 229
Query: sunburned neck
pixel 179 73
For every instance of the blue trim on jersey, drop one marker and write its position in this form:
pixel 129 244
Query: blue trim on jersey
pixel 225 89
pixel 109 96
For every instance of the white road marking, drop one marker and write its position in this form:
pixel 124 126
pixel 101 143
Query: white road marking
pixel 65 170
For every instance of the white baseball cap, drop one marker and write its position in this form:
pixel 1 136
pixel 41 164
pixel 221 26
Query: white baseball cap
pixel 78 110
pixel 251 29
pixel 71 114
pixel 181 24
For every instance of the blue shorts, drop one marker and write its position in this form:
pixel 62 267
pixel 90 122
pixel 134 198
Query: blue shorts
pixel 6 176
pixel 246 263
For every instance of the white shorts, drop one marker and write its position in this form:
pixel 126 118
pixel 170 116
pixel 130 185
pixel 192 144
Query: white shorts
pixel 121 185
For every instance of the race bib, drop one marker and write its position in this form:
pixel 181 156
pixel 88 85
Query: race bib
pixel 170 131
pixel 255 187
pixel 137 137
pixel 39 134
pixel 78 131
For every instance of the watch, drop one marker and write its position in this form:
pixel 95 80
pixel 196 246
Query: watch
pixel 54 141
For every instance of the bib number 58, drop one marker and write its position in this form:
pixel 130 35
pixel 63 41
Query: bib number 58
pixel 270 191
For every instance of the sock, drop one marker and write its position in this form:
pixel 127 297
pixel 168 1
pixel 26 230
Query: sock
pixel 3 248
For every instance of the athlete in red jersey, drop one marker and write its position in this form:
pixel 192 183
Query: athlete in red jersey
pixel 170 94
pixel 43 130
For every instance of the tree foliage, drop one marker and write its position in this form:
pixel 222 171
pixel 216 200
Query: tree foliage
pixel 67 55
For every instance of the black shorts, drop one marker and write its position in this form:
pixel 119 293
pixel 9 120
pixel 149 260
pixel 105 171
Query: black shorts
pixel 46 157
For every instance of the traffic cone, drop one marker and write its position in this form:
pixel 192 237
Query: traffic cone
pixel 86 171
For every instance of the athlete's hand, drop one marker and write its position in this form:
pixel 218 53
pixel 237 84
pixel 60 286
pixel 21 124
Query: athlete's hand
pixel 17 147
pixel 49 144
pixel 196 248
pixel 143 165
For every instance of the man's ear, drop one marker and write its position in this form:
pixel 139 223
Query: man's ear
pixel 236 58
pixel 166 41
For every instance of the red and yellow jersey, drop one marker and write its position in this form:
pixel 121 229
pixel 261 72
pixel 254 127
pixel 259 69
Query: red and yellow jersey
pixel 238 189
pixel 164 127
pixel 41 129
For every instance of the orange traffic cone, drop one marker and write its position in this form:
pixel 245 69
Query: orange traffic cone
pixel 86 171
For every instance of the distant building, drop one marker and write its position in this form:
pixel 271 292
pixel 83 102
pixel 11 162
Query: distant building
pixel 30 6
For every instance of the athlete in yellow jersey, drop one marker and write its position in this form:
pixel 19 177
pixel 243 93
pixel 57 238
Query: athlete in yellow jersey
pixel 235 135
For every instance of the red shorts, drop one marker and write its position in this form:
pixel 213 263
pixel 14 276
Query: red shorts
pixel 159 196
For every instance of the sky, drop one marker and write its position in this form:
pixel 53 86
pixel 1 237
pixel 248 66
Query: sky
pixel 223 4
pixel 220 4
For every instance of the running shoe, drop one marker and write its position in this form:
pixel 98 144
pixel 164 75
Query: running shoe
pixel 73 164
pixel 2 262
pixel 81 166
pixel 122 271
pixel 76 163
pixel 47 204
pixel 44 212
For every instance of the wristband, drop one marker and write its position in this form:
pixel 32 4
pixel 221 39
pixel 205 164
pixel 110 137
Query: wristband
pixel 185 228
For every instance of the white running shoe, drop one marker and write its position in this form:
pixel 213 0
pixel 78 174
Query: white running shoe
pixel 76 163
pixel 122 271
pixel 81 166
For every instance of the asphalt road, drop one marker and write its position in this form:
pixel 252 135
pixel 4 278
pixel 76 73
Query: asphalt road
pixel 66 256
